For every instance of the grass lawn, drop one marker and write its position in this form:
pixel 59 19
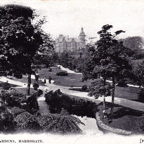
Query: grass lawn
pixel 24 79
pixel 24 90
pixel 130 93
pixel 72 80
pixel 125 118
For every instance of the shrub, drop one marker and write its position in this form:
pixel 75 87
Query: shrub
pixel 57 101
pixel 66 102
pixel 12 102
pixel 84 87
pixel 122 83
pixel 32 103
pixel 35 86
pixel 6 86
pixel 50 70
pixel 141 95
pixel 48 96
pixel 27 121
pixel 16 111
pixel 62 73
pixel 53 100
pixel 7 122
pixel 40 92
pixel 44 120
pixel 12 97
pixel 60 123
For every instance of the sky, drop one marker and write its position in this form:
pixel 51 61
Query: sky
pixel 68 16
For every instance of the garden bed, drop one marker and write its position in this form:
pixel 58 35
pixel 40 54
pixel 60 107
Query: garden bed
pixel 124 118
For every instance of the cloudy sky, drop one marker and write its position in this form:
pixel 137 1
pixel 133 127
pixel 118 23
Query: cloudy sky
pixel 68 16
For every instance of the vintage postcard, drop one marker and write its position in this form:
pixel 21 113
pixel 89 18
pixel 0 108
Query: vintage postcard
pixel 72 71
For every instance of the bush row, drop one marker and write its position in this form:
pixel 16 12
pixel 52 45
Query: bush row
pixel 16 119
pixel 57 100
pixel 62 73
pixel 13 98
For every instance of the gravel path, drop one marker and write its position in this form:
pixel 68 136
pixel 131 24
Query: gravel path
pixel 43 107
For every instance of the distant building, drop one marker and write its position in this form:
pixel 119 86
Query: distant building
pixel 63 43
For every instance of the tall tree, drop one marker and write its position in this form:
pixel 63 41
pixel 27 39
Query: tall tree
pixel 19 41
pixel 111 58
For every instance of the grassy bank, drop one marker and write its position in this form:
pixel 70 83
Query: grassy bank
pixel 124 118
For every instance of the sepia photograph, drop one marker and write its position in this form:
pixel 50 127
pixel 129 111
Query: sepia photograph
pixel 72 71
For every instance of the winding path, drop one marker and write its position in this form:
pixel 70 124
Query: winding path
pixel 91 123
pixel 90 126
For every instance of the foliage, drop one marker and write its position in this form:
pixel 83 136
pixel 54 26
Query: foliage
pixel 84 88
pixel 19 39
pixel 7 123
pixel 60 123
pixel 12 97
pixel 109 58
pixel 138 70
pixel 122 83
pixel 27 121
pixel 57 101
pixel 16 111
pixel 98 88
pixel 62 73
pixel 141 95
pixel 89 63
pixel 35 85
pixel 45 55
pixel 135 43
pixel 6 86
pixel 40 92
pixel 68 61
pixel 32 104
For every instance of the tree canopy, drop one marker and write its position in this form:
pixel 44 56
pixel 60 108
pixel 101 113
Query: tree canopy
pixel 136 44
pixel 20 39
pixel 109 58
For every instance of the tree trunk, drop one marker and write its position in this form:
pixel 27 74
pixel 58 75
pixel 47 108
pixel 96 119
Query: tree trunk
pixel 104 81
pixel 104 104
pixel 29 83
pixel 113 94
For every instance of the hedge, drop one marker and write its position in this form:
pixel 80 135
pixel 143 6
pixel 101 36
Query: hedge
pixel 57 100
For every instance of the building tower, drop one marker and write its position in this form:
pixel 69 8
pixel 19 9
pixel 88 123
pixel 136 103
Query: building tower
pixel 82 38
